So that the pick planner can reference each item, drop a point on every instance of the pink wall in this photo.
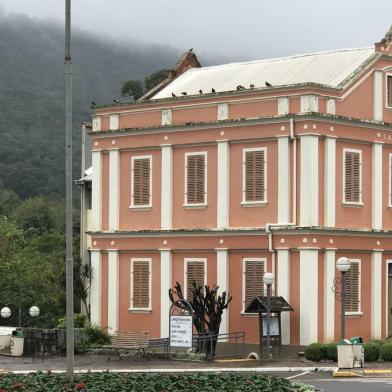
(253, 109)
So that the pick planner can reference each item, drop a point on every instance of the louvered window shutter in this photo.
(254, 284)
(255, 175)
(196, 186)
(141, 182)
(389, 90)
(195, 273)
(352, 177)
(352, 288)
(141, 284)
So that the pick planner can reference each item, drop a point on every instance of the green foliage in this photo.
(386, 351)
(97, 336)
(372, 351)
(331, 352)
(8, 201)
(108, 382)
(155, 78)
(79, 321)
(315, 352)
(132, 88)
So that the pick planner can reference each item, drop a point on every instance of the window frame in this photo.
(359, 312)
(140, 206)
(188, 260)
(387, 75)
(186, 204)
(131, 306)
(345, 202)
(244, 260)
(244, 202)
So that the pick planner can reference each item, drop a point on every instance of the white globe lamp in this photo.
(34, 311)
(5, 312)
(268, 278)
(343, 264)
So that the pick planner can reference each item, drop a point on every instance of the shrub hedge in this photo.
(386, 351)
(109, 382)
(372, 351)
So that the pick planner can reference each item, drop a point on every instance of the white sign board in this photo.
(181, 331)
(274, 326)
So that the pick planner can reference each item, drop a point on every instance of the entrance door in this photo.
(390, 300)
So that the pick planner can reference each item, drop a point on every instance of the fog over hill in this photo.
(32, 95)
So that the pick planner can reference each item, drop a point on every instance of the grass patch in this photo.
(123, 382)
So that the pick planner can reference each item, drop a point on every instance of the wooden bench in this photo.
(134, 343)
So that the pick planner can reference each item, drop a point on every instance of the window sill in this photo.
(140, 208)
(256, 204)
(249, 314)
(352, 205)
(353, 314)
(139, 310)
(195, 206)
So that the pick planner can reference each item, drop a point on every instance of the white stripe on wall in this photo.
(377, 186)
(309, 180)
(96, 196)
(167, 187)
(284, 290)
(113, 291)
(308, 293)
(223, 184)
(95, 287)
(377, 96)
(376, 295)
(114, 188)
(166, 284)
(329, 296)
(222, 263)
(330, 181)
(283, 180)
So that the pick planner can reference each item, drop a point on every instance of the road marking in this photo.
(296, 375)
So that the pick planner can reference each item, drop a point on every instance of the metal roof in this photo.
(259, 305)
(326, 68)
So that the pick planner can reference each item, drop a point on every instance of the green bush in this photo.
(386, 351)
(315, 352)
(331, 352)
(96, 335)
(372, 351)
(79, 321)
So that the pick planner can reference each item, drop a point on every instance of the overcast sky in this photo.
(236, 29)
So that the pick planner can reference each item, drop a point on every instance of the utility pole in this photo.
(68, 195)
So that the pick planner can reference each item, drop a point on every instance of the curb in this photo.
(179, 370)
(362, 373)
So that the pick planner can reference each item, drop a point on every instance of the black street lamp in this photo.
(343, 265)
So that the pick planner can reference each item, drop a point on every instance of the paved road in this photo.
(325, 382)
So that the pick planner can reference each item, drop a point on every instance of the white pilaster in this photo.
(377, 96)
(309, 103)
(167, 187)
(114, 189)
(309, 180)
(329, 296)
(377, 186)
(331, 106)
(330, 182)
(114, 122)
(223, 111)
(283, 105)
(283, 280)
(166, 117)
(95, 287)
(308, 294)
(222, 263)
(96, 213)
(166, 284)
(283, 180)
(223, 184)
(113, 291)
(376, 295)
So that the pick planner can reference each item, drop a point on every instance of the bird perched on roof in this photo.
(93, 103)
(190, 50)
(213, 90)
(184, 93)
(173, 95)
(252, 86)
(200, 91)
(116, 100)
(268, 84)
(240, 87)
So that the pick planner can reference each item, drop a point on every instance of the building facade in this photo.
(222, 173)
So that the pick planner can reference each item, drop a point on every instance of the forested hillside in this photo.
(32, 96)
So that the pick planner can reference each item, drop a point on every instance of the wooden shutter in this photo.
(195, 273)
(195, 166)
(352, 288)
(254, 284)
(255, 175)
(141, 181)
(352, 176)
(389, 91)
(141, 284)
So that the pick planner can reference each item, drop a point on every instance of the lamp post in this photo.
(268, 280)
(6, 313)
(343, 265)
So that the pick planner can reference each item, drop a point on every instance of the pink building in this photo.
(223, 173)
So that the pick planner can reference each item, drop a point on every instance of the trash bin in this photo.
(350, 353)
(359, 352)
(17, 343)
(5, 339)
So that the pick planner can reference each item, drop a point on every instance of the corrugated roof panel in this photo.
(328, 68)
